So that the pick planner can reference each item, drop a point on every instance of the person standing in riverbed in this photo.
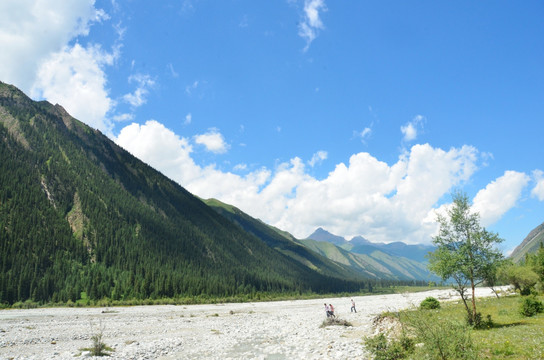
(353, 306)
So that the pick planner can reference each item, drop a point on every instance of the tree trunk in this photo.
(473, 300)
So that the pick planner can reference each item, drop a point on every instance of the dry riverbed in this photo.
(267, 330)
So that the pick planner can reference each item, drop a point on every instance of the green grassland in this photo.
(510, 336)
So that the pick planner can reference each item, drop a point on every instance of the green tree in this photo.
(522, 277)
(465, 251)
(536, 262)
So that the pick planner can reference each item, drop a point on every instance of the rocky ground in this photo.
(267, 330)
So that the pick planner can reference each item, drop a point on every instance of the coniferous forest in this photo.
(78, 214)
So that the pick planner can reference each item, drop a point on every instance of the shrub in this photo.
(441, 339)
(530, 306)
(393, 349)
(430, 303)
(335, 321)
(478, 323)
(98, 347)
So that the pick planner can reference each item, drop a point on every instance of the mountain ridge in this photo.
(530, 244)
(80, 214)
(360, 245)
(373, 259)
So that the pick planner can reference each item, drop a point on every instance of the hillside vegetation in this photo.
(80, 215)
(530, 244)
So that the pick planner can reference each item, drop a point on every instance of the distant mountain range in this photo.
(360, 245)
(530, 244)
(387, 261)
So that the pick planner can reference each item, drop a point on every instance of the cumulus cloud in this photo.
(365, 196)
(161, 148)
(538, 190)
(38, 57)
(24, 41)
(499, 196)
(311, 22)
(410, 129)
(213, 140)
(75, 78)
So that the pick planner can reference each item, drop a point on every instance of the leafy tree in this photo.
(465, 250)
(536, 262)
(522, 277)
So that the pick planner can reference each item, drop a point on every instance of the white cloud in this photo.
(364, 134)
(364, 197)
(317, 158)
(123, 117)
(75, 78)
(172, 71)
(213, 140)
(538, 190)
(192, 87)
(161, 148)
(31, 30)
(37, 56)
(410, 130)
(240, 167)
(311, 23)
(188, 119)
(138, 97)
(499, 196)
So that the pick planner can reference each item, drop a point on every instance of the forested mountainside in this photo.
(530, 244)
(80, 214)
(284, 242)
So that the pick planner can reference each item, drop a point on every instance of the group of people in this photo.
(329, 309)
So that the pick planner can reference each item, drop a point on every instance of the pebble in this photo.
(275, 330)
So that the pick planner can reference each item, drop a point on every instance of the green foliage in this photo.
(441, 338)
(429, 303)
(465, 251)
(478, 323)
(536, 263)
(530, 306)
(98, 347)
(392, 349)
(522, 277)
(437, 338)
(511, 336)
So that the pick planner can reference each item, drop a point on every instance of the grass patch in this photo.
(509, 336)
(513, 336)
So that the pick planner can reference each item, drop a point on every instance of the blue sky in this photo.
(358, 117)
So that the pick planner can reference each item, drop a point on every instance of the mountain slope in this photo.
(377, 260)
(284, 242)
(79, 213)
(530, 244)
(360, 245)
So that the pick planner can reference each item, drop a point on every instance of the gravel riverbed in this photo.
(263, 330)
